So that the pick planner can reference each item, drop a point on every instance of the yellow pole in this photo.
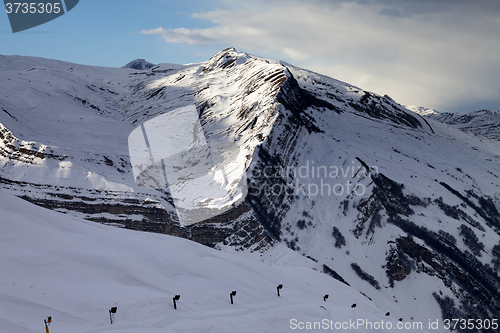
(46, 329)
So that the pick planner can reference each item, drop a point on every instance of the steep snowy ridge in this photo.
(401, 207)
(370, 231)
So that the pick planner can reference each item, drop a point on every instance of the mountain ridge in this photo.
(482, 122)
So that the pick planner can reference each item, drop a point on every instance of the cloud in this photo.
(181, 35)
(412, 7)
(437, 54)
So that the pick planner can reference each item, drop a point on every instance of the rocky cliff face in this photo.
(401, 208)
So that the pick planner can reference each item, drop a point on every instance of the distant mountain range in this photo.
(484, 122)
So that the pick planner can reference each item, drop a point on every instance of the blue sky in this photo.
(441, 54)
(107, 33)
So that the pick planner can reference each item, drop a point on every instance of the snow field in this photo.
(75, 271)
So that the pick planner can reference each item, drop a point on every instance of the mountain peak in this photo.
(139, 64)
(423, 111)
(226, 58)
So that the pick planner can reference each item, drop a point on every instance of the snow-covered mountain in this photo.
(401, 208)
(483, 122)
(423, 111)
(140, 64)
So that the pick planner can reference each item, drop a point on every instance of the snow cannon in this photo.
(176, 298)
(233, 293)
(112, 312)
(278, 288)
(47, 323)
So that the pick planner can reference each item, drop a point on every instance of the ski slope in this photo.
(75, 271)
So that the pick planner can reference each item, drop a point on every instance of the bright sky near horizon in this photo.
(441, 54)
